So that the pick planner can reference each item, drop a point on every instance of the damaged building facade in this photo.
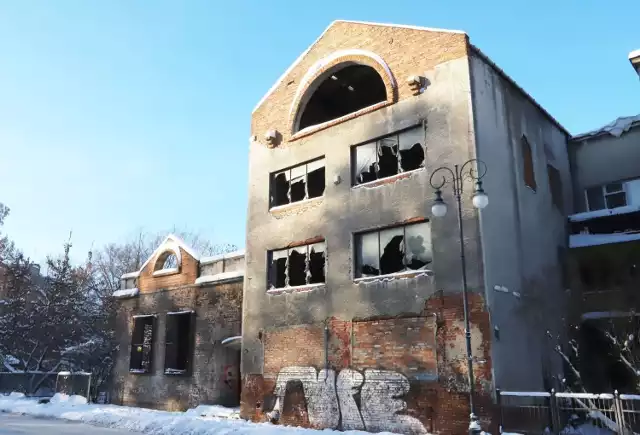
(604, 265)
(353, 308)
(178, 330)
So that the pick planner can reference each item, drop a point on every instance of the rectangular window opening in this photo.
(555, 184)
(393, 250)
(178, 343)
(612, 195)
(298, 266)
(388, 156)
(296, 184)
(142, 344)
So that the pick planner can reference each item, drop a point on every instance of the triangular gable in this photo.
(304, 53)
(171, 241)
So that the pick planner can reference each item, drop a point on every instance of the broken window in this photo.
(555, 184)
(613, 195)
(347, 90)
(178, 342)
(297, 266)
(142, 344)
(393, 250)
(296, 184)
(386, 157)
(527, 164)
(166, 260)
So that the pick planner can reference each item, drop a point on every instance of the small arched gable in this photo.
(341, 86)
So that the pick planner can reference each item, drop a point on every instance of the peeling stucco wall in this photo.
(522, 231)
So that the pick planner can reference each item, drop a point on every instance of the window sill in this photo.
(296, 289)
(287, 208)
(139, 372)
(410, 274)
(388, 180)
(163, 272)
(318, 127)
(175, 372)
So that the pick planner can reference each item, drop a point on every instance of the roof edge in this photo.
(504, 75)
(304, 53)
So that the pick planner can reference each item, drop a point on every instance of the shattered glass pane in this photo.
(316, 263)
(315, 178)
(367, 255)
(392, 250)
(411, 149)
(365, 163)
(278, 272)
(298, 183)
(613, 187)
(418, 246)
(298, 266)
(280, 189)
(616, 200)
(388, 157)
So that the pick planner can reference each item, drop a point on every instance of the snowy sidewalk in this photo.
(217, 420)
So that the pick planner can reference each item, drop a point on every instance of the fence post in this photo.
(619, 412)
(553, 407)
(499, 403)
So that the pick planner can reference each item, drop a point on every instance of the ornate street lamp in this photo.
(472, 170)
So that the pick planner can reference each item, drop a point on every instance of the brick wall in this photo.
(187, 274)
(215, 377)
(422, 353)
(427, 48)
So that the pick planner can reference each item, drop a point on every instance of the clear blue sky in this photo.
(118, 114)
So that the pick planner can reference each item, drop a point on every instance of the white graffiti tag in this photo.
(329, 398)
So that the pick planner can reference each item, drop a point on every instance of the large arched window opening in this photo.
(341, 92)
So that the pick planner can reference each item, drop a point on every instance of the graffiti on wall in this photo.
(331, 400)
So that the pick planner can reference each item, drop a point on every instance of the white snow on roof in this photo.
(580, 217)
(634, 54)
(226, 256)
(220, 277)
(304, 53)
(130, 275)
(615, 128)
(126, 293)
(583, 240)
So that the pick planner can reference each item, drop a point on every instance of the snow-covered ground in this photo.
(203, 420)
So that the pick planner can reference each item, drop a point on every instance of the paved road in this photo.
(11, 424)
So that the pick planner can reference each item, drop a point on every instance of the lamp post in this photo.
(456, 177)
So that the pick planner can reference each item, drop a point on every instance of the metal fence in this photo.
(535, 413)
(46, 384)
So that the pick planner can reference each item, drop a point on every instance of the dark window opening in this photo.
(178, 349)
(299, 183)
(393, 250)
(297, 266)
(386, 157)
(555, 184)
(610, 195)
(527, 164)
(346, 91)
(142, 344)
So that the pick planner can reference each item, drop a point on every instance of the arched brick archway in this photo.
(325, 68)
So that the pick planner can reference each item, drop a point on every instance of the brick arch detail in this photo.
(162, 256)
(325, 66)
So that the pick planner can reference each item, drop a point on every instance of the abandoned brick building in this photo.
(352, 308)
(604, 265)
(178, 330)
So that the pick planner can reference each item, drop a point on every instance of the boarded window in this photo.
(527, 164)
(386, 157)
(178, 343)
(298, 183)
(392, 250)
(555, 184)
(297, 266)
(142, 344)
